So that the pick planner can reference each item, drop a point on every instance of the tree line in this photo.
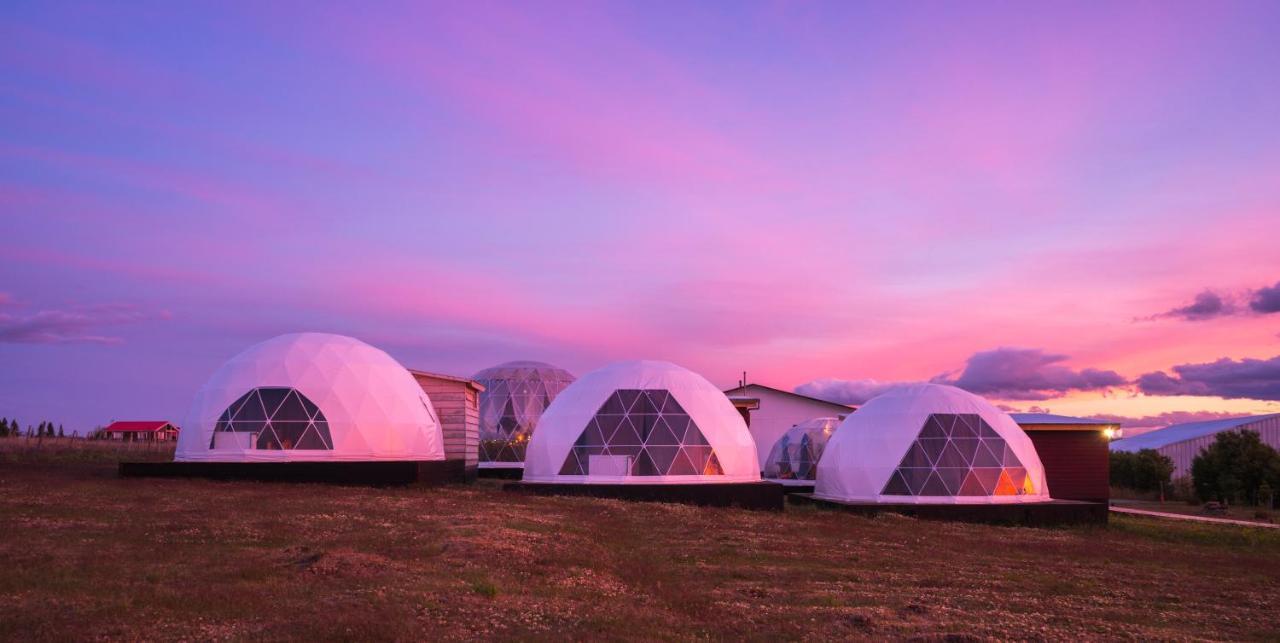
(45, 429)
(1237, 468)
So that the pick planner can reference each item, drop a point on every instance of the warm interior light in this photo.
(1109, 432)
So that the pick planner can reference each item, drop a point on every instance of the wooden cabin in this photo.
(457, 402)
(141, 431)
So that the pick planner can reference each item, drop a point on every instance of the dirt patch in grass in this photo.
(85, 551)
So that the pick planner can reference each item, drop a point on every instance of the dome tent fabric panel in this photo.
(930, 443)
(566, 424)
(515, 396)
(371, 406)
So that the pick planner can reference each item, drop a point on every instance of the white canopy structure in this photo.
(311, 397)
(930, 444)
(514, 397)
(794, 457)
(641, 422)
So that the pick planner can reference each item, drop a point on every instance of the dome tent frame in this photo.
(793, 460)
(515, 396)
(883, 438)
(621, 431)
(341, 411)
(861, 470)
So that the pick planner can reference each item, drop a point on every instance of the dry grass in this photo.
(71, 449)
(87, 555)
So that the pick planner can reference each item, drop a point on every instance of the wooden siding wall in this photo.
(1077, 464)
(457, 405)
(1184, 453)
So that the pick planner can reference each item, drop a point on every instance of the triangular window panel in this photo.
(278, 418)
(973, 461)
(963, 427)
(933, 428)
(897, 486)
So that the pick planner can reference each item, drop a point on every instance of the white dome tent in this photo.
(641, 423)
(311, 397)
(930, 444)
(793, 460)
(515, 396)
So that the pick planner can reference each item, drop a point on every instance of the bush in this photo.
(1146, 470)
(1237, 467)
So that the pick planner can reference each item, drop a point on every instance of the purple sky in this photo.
(1068, 205)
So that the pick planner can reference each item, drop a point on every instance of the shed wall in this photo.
(457, 405)
(1077, 464)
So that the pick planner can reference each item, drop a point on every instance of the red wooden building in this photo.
(1075, 453)
(141, 431)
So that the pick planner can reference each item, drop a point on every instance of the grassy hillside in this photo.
(87, 555)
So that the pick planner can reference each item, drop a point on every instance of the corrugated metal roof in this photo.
(1179, 432)
(1049, 418)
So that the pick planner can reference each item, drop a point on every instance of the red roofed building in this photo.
(146, 431)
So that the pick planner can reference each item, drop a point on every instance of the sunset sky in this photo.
(1072, 206)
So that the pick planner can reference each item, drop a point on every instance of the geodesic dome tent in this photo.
(514, 398)
(641, 422)
(794, 457)
(311, 397)
(930, 444)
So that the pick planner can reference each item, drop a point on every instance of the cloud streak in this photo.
(1257, 379)
(1207, 305)
(1004, 373)
(78, 325)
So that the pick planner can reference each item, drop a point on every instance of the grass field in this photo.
(87, 555)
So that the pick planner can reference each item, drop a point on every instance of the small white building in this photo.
(780, 410)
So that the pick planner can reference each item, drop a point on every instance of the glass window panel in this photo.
(627, 399)
(951, 457)
(933, 486)
(984, 456)
(1017, 475)
(963, 427)
(1010, 460)
(613, 405)
(626, 433)
(272, 397)
(657, 398)
(988, 477)
(572, 467)
(916, 456)
(915, 478)
(713, 467)
(681, 465)
(661, 434)
(310, 439)
(643, 465)
(967, 448)
(662, 457)
(288, 433)
(252, 410)
(972, 486)
(953, 478)
(896, 486)
(933, 428)
(985, 429)
(933, 447)
(1004, 486)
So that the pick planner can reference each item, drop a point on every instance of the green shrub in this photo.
(1237, 467)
